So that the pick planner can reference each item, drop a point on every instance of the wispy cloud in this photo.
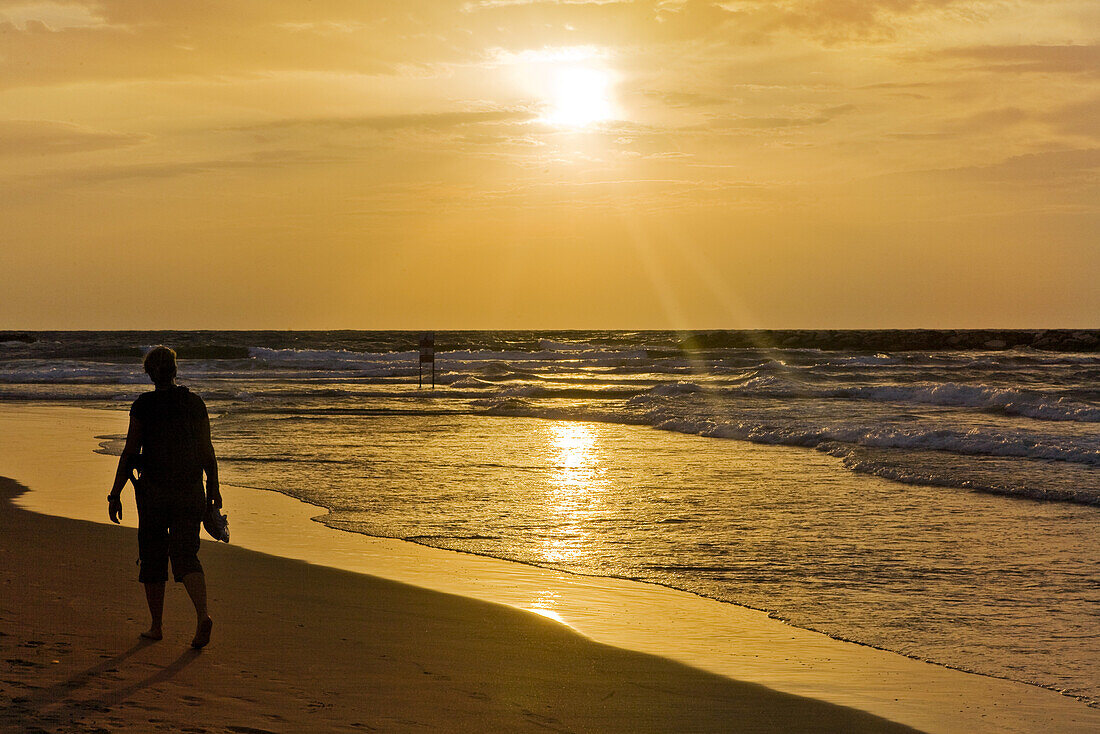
(470, 7)
(426, 121)
(842, 21)
(774, 123)
(45, 137)
(45, 15)
(1049, 168)
(1068, 59)
(143, 171)
(685, 99)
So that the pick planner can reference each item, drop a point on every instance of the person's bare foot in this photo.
(153, 633)
(202, 634)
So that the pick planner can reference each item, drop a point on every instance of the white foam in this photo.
(469, 382)
(548, 345)
(862, 360)
(675, 388)
(331, 358)
(922, 476)
(598, 355)
(343, 359)
(78, 373)
(1008, 400)
(973, 442)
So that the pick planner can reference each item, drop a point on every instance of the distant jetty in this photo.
(215, 345)
(16, 336)
(898, 340)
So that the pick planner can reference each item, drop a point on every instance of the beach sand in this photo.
(299, 647)
(302, 646)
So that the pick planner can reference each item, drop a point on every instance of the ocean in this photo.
(940, 502)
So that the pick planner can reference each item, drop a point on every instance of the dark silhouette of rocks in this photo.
(122, 346)
(16, 336)
(899, 340)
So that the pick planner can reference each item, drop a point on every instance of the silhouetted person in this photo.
(171, 429)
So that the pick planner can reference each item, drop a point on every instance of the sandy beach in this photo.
(305, 648)
(300, 646)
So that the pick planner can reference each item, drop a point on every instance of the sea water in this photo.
(962, 530)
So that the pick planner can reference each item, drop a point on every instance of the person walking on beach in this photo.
(170, 430)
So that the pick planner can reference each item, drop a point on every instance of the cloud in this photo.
(385, 123)
(1078, 119)
(897, 85)
(139, 40)
(620, 195)
(993, 119)
(1051, 165)
(1071, 59)
(775, 123)
(839, 21)
(109, 173)
(685, 99)
(1035, 170)
(115, 40)
(44, 137)
(471, 7)
(48, 15)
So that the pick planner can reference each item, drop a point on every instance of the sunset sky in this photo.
(573, 164)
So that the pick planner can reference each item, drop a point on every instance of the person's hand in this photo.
(214, 496)
(114, 508)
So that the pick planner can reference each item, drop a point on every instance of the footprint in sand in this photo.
(21, 663)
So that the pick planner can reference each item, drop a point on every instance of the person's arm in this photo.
(209, 461)
(129, 451)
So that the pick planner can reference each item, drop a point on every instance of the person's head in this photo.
(160, 365)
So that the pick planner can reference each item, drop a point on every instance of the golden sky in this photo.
(549, 164)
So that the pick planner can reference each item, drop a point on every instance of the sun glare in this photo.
(574, 86)
(578, 96)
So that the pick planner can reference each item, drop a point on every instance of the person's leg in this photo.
(183, 541)
(153, 557)
(154, 594)
(195, 583)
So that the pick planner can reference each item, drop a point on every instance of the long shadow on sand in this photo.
(116, 697)
(66, 688)
(59, 703)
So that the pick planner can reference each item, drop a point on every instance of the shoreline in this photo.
(770, 615)
(620, 612)
(335, 651)
(319, 519)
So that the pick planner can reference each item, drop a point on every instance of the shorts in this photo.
(168, 530)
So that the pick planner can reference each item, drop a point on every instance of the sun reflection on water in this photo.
(577, 482)
(574, 458)
(546, 603)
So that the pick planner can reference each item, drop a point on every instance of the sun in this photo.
(573, 87)
(578, 96)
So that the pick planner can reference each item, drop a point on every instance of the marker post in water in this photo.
(427, 354)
